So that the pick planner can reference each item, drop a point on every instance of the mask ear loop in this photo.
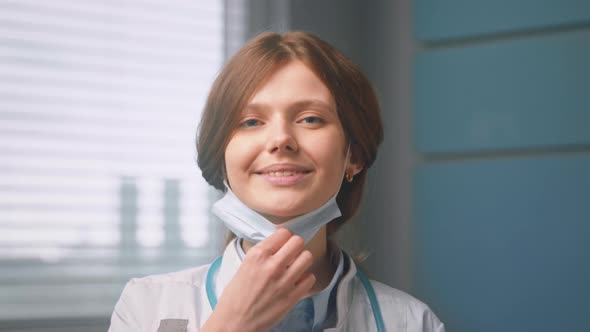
(347, 176)
(225, 180)
(344, 170)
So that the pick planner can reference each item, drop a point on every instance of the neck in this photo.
(323, 267)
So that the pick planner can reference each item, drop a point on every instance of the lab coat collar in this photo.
(345, 293)
(229, 267)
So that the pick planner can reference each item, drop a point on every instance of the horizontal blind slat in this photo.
(99, 103)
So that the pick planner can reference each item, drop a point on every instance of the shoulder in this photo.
(140, 304)
(393, 296)
(167, 285)
(400, 311)
(417, 315)
(193, 277)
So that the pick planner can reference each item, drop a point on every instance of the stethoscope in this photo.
(210, 288)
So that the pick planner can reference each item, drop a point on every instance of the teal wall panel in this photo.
(440, 20)
(504, 245)
(522, 93)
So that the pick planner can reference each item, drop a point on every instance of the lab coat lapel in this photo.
(345, 295)
(229, 266)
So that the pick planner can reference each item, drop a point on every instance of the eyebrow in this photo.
(307, 103)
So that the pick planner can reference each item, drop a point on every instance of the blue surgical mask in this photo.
(251, 226)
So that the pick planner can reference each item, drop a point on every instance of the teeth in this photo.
(284, 173)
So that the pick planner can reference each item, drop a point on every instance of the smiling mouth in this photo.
(285, 178)
(278, 170)
(284, 173)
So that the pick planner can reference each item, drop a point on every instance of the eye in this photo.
(250, 123)
(312, 120)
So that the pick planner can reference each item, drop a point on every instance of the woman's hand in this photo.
(272, 278)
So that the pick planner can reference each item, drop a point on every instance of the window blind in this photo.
(99, 106)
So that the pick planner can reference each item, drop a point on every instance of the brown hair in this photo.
(247, 70)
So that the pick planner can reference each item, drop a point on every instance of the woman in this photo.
(289, 130)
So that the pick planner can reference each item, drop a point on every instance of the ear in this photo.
(354, 168)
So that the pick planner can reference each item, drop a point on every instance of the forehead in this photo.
(293, 82)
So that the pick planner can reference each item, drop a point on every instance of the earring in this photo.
(348, 177)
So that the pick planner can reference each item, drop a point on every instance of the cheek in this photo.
(231, 159)
(329, 154)
(330, 148)
(238, 156)
(334, 169)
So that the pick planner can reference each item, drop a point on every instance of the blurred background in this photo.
(478, 204)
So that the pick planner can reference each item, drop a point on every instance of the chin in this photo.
(278, 216)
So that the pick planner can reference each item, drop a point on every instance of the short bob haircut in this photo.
(248, 70)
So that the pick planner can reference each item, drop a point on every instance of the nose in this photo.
(281, 137)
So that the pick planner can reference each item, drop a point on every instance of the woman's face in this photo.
(287, 155)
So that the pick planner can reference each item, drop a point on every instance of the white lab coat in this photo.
(178, 302)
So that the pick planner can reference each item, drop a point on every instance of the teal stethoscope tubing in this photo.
(364, 280)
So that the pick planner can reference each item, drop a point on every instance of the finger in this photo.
(299, 266)
(303, 287)
(290, 250)
(275, 241)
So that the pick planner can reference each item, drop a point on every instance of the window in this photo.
(99, 106)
